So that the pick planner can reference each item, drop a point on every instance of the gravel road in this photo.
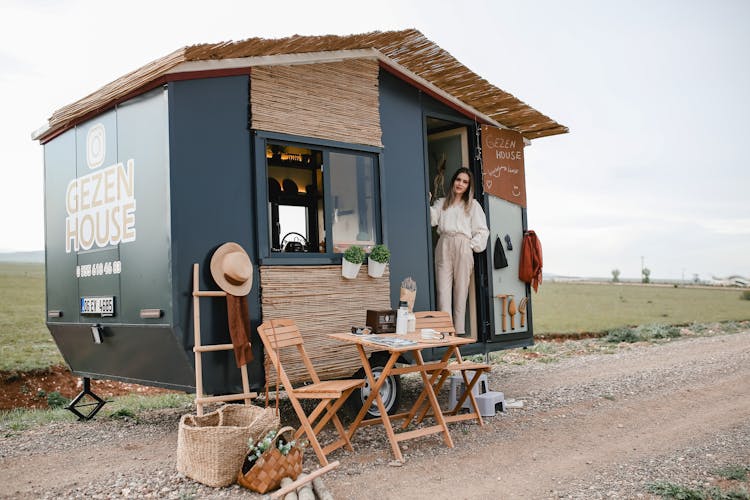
(593, 425)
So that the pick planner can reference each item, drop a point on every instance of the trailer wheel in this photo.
(390, 392)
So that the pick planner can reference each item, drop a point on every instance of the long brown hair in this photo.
(468, 194)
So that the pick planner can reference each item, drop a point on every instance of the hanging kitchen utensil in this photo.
(502, 298)
(522, 310)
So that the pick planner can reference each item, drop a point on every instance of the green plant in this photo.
(122, 413)
(624, 334)
(548, 360)
(380, 253)
(56, 400)
(256, 449)
(735, 472)
(671, 490)
(678, 492)
(745, 295)
(355, 254)
(642, 333)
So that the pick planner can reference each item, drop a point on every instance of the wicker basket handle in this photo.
(284, 429)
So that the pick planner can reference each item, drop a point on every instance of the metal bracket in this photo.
(78, 402)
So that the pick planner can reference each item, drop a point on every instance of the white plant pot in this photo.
(349, 270)
(375, 269)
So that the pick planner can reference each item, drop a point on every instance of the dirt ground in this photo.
(31, 389)
(598, 426)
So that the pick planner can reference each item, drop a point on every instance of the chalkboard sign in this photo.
(502, 164)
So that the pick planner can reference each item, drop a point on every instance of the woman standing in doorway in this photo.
(462, 227)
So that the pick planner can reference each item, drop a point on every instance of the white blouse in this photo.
(455, 219)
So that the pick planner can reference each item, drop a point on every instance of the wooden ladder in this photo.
(198, 349)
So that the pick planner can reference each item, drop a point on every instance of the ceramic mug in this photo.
(430, 334)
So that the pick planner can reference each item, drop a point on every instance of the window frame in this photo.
(262, 222)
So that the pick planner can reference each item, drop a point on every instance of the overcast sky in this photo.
(656, 95)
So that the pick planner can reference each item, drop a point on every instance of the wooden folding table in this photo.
(402, 344)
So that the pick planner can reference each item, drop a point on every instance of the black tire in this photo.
(390, 392)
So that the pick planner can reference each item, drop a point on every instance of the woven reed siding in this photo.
(337, 101)
(409, 48)
(321, 302)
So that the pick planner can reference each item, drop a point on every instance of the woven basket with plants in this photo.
(270, 459)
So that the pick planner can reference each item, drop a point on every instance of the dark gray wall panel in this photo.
(145, 282)
(99, 284)
(61, 285)
(403, 170)
(212, 203)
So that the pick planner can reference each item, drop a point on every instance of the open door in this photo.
(503, 181)
(447, 151)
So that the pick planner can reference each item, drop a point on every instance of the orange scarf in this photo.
(530, 267)
(239, 329)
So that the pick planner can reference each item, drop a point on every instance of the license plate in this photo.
(103, 306)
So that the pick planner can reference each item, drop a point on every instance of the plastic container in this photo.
(402, 318)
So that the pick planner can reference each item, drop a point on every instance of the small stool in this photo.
(487, 403)
(456, 388)
(486, 400)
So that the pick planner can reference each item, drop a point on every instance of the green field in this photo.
(585, 307)
(25, 342)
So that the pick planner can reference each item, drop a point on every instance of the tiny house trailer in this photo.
(294, 148)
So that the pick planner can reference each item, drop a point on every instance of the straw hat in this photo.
(232, 270)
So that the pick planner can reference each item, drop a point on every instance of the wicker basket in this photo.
(211, 448)
(268, 471)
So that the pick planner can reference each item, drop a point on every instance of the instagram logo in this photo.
(95, 146)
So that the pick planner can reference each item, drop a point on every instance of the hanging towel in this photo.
(239, 329)
(530, 266)
(499, 256)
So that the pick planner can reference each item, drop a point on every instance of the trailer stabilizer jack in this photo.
(80, 402)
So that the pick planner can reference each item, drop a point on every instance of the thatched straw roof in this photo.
(407, 53)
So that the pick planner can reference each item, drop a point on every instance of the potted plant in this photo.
(354, 256)
(379, 257)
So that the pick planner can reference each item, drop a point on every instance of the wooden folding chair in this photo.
(279, 334)
(442, 322)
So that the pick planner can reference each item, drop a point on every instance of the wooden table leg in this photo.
(437, 375)
(375, 386)
(433, 399)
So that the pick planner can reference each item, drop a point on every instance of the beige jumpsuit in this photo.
(461, 234)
